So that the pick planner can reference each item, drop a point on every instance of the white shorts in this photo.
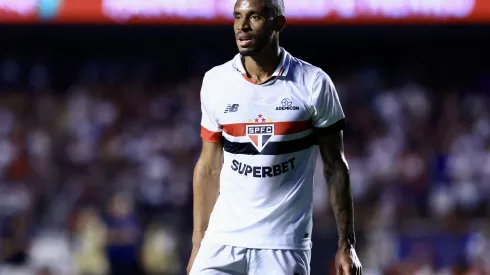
(230, 260)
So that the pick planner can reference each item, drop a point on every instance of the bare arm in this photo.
(206, 187)
(336, 172)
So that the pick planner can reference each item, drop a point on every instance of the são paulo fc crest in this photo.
(260, 132)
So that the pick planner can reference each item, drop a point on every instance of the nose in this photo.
(243, 24)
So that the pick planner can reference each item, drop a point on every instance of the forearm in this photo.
(206, 189)
(341, 201)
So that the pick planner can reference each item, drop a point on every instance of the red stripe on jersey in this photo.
(248, 79)
(210, 136)
(281, 71)
(280, 128)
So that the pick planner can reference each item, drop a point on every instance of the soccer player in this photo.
(265, 116)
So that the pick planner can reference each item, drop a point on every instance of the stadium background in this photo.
(99, 132)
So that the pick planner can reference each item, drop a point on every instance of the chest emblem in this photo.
(260, 132)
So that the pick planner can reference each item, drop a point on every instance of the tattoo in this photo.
(336, 172)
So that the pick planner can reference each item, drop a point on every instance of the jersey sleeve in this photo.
(210, 128)
(327, 115)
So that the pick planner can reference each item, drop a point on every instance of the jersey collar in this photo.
(281, 69)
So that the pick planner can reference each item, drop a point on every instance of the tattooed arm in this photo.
(328, 119)
(336, 172)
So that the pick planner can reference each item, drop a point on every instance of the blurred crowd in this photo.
(96, 176)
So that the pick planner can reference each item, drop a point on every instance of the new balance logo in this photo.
(231, 108)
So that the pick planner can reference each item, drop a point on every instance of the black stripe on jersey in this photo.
(272, 148)
(332, 129)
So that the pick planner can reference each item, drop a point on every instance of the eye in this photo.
(255, 17)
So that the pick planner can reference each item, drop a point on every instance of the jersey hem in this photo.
(216, 240)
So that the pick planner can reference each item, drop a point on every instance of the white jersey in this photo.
(268, 133)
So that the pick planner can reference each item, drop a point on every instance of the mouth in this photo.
(244, 39)
(245, 42)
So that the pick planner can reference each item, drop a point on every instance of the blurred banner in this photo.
(305, 12)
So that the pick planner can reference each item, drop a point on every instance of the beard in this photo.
(258, 47)
(248, 52)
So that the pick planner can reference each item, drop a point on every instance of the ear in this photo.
(279, 23)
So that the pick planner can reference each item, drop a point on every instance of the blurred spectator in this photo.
(15, 241)
(90, 236)
(160, 250)
(123, 237)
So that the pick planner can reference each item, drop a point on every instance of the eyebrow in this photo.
(248, 12)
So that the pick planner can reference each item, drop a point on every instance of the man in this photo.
(263, 113)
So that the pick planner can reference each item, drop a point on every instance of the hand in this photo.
(195, 249)
(347, 263)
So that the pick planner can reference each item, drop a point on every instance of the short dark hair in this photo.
(277, 7)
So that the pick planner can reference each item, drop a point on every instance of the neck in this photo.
(262, 65)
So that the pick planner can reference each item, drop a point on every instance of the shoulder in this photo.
(309, 74)
(219, 72)
(215, 82)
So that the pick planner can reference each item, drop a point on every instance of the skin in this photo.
(256, 19)
(206, 189)
(259, 21)
(336, 172)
